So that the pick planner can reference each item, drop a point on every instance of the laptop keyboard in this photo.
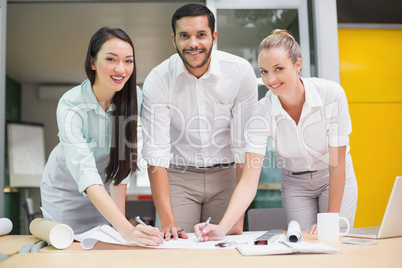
(366, 230)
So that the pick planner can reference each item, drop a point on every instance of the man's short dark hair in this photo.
(193, 10)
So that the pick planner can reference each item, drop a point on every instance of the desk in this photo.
(387, 253)
(11, 244)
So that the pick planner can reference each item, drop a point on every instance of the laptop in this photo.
(391, 225)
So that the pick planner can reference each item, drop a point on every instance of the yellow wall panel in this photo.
(371, 72)
(370, 63)
(376, 149)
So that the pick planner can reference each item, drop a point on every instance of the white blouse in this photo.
(324, 122)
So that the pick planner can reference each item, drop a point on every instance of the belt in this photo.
(209, 167)
(217, 166)
(303, 172)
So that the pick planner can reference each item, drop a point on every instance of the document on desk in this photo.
(228, 241)
(104, 233)
(282, 246)
(108, 234)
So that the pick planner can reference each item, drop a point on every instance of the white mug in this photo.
(328, 226)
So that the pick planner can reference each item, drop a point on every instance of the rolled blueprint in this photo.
(294, 234)
(57, 234)
(5, 226)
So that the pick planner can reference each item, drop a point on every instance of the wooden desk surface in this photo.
(387, 253)
(11, 244)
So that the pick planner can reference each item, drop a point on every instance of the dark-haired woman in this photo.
(97, 123)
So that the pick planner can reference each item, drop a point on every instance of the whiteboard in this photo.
(26, 154)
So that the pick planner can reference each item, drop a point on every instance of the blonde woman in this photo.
(309, 122)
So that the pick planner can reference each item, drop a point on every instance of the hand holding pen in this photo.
(149, 231)
(213, 232)
(200, 229)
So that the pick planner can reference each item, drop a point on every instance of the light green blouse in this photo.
(85, 133)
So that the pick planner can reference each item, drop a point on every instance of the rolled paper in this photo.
(294, 234)
(5, 226)
(56, 234)
(26, 248)
(37, 246)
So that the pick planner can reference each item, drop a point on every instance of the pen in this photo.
(178, 232)
(205, 225)
(138, 219)
(285, 244)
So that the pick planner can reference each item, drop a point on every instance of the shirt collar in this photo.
(213, 69)
(88, 96)
(312, 99)
(276, 106)
(180, 67)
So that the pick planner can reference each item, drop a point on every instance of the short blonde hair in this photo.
(283, 39)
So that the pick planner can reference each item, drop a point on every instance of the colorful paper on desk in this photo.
(282, 246)
(107, 234)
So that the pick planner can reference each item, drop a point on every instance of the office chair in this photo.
(30, 211)
(264, 219)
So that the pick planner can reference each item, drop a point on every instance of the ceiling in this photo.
(370, 11)
(47, 40)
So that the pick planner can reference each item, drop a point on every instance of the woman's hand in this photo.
(211, 232)
(313, 229)
(145, 235)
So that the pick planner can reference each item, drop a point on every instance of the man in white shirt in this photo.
(195, 106)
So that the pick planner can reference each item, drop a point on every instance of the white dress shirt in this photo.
(324, 122)
(197, 122)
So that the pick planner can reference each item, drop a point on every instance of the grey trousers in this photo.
(303, 196)
(199, 193)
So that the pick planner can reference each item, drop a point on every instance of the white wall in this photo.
(39, 111)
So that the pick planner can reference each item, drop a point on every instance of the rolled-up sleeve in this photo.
(243, 108)
(258, 129)
(79, 158)
(340, 122)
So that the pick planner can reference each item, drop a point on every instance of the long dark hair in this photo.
(123, 150)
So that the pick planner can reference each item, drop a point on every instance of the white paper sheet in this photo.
(281, 245)
(193, 243)
(107, 234)
(103, 233)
